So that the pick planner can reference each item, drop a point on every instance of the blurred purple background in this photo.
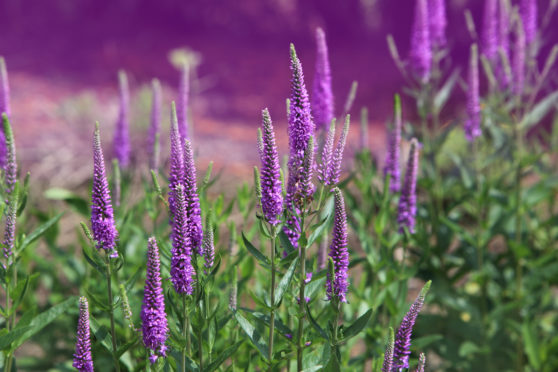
(58, 50)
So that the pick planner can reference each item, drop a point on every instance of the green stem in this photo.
(185, 333)
(272, 299)
(519, 269)
(111, 314)
(200, 348)
(301, 303)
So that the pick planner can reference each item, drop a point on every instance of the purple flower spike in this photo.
(10, 169)
(421, 51)
(193, 210)
(490, 30)
(153, 145)
(182, 103)
(528, 13)
(208, 247)
(182, 271)
(10, 229)
(334, 170)
(438, 22)
(327, 153)
(503, 43)
(83, 361)
(518, 63)
(301, 128)
(4, 108)
(121, 142)
(408, 201)
(176, 174)
(322, 96)
(339, 252)
(391, 167)
(270, 178)
(102, 216)
(421, 363)
(402, 344)
(387, 366)
(473, 122)
(153, 317)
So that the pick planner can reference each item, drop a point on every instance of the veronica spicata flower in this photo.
(338, 251)
(421, 50)
(83, 361)
(473, 121)
(102, 216)
(407, 209)
(391, 167)
(121, 142)
(153, 145)
(153, 317)
(322, 95)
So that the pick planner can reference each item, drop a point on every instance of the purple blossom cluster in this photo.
(121, 141)
(391, 166)
(407, 208)
(182, 272)
(182, 102)
(270, 178)
(155, 125)
(10, 227)
(473, 121)
(301, 129)
(193, 210)
(10, 166)
(83, 361)
(420, 54)
(153, 317)
(208, 248)
(330, 168)
(402, 343)
(322, 95)
(4, 108)
(338, 251)
(102, 216)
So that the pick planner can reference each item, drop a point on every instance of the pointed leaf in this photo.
(284, 283)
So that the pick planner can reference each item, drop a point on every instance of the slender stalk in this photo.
(200, 348)
(272, 297)
(111, 314)
(519, 268)
(185, 334)
(9, 356)
(301, 300)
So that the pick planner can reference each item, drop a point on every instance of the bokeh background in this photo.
(63, 57)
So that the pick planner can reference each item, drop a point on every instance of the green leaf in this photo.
(313, 287)
(263, 260)
(39, 231)
(539, 111)
(76, 202)
(253, 334)
(531, 345)
(444, 93)
(223, 356)
(101, 332)
(318, 230)
(7, 339)
(42, 320)
(357, 326)
(284, 283)
(286, 243)
(315, 324)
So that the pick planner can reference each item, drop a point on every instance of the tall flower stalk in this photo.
(153, 143)
(182, 271)
(10, 228)
(518, 62)
(176, 173)
(4, 108)
(322, 95)
(407, 209)
(402, 343)
(103, 227)
(153, 317)
(83, 361)
(392, 165)
(271, 196)
(387, 366)
(121, 142)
